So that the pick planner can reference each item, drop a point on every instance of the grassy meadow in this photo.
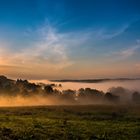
(83, 122)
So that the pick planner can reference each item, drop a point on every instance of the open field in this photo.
(70, 122)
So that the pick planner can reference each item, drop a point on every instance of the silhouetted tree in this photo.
(111, 98)
(68, 95)
(136, 97)
(48, 90)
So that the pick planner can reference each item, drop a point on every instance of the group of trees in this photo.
(24, 88)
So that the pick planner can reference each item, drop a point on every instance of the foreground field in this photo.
(70, 123)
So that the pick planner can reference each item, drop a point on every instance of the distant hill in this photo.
(94, 80)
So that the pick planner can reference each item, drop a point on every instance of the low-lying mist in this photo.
(22, 101)
(114, 96)
(24, 93)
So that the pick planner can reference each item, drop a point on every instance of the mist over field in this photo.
(23, 93)
(132, 84)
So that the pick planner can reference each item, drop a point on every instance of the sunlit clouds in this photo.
(47, 55)
(53, 54)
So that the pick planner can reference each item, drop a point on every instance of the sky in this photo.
(70, 39)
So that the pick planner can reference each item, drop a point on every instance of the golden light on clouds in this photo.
(48, 57)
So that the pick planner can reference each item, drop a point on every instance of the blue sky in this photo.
(54, 39)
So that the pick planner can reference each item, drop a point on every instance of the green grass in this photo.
(70, 123)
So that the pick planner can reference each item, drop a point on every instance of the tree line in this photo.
(25, 89)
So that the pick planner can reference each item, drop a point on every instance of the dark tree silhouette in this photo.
(136, 97)
(48, 90)
(68, 95)
(111, 98)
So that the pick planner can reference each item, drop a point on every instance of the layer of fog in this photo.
(8, 101)
(104, 86)
(70, 93)
(125, 96)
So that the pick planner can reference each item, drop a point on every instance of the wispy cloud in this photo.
(51, 47)
(49, 50)
(105, 34)
(124, 54)
(47, 53)
(129, 52)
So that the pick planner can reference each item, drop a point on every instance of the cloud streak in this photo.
(48, 53)
(125, 54)
(129, 52)
(105, 34)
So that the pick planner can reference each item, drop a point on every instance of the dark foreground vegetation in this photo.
(115, 115)
(96, 122)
